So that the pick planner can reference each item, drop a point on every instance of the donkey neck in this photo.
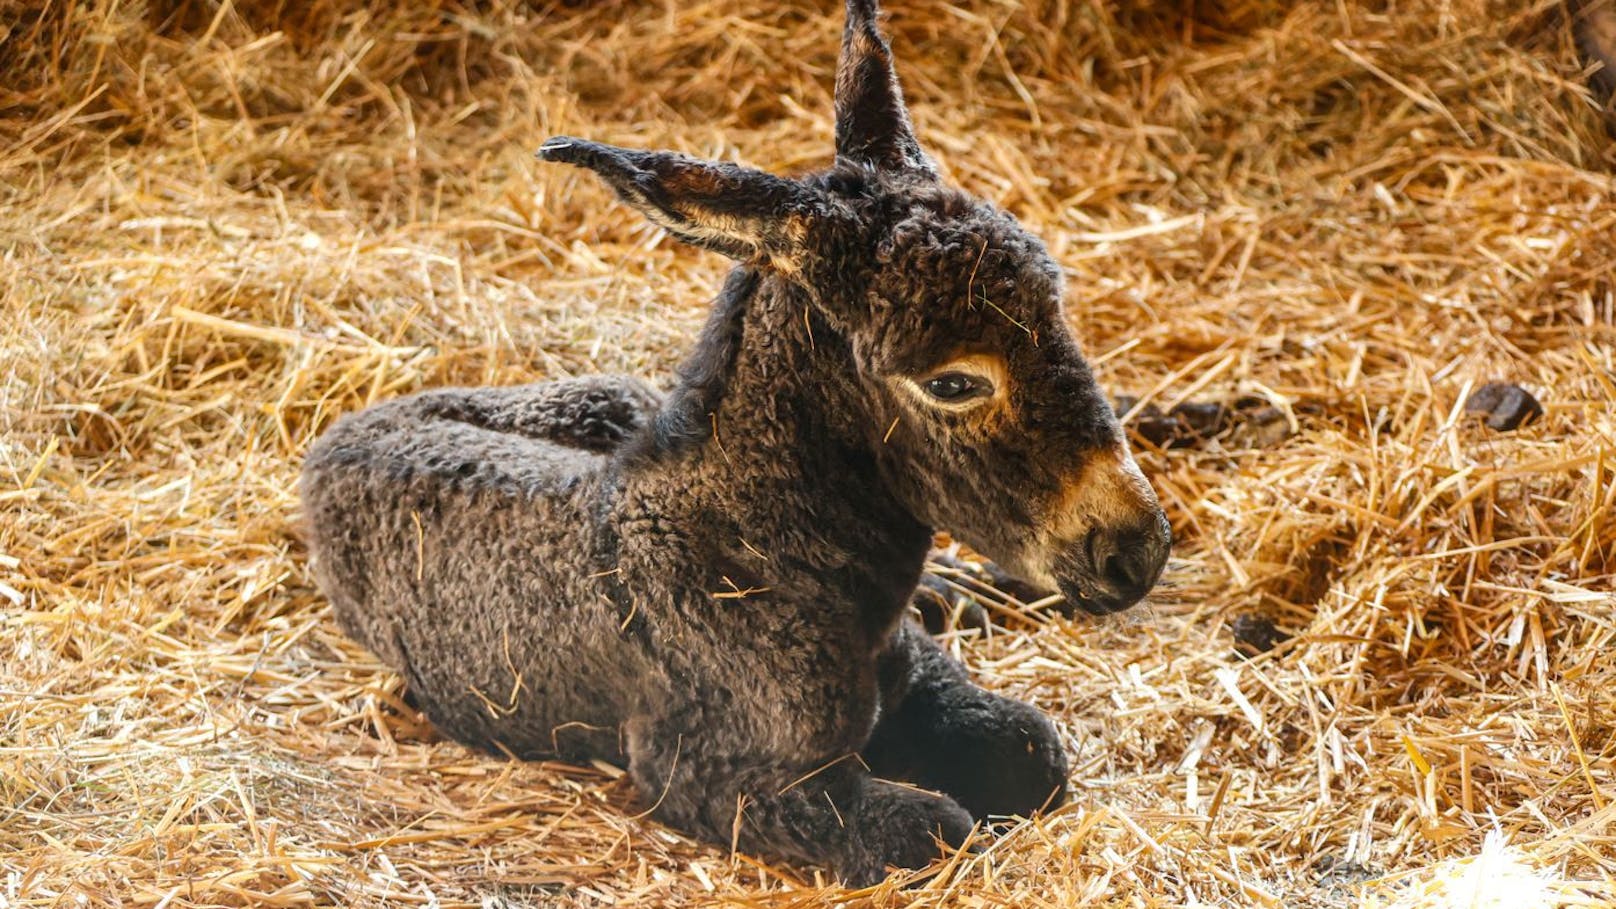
(762, 439)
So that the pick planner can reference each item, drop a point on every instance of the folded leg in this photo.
(945, 597)
(595, 413)
(833, 812)
(995, 755)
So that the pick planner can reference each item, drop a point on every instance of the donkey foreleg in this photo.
(833, 813)
(996, 756)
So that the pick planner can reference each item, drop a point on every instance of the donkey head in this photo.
(978, 407)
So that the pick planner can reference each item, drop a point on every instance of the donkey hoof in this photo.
(898, 827)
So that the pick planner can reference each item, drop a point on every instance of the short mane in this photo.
(685, 418)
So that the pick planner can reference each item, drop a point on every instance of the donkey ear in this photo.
(745, 214)
(872, 124)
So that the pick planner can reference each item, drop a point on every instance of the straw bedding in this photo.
(223, 224)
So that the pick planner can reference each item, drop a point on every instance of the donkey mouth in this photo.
(1084, 596)
(1110, 570)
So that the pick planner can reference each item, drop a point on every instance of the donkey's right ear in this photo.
(872, 122)
(745, 214)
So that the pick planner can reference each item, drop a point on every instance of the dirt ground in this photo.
(222, 224)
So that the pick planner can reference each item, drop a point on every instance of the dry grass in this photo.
(222, 224)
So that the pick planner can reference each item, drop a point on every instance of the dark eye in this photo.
(955, 386)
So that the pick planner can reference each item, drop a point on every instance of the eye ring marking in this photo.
(960, 383)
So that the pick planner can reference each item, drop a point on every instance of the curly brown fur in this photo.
(712, 586)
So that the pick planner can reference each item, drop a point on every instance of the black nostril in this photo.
(1124, 570)
(1129, 561)
(1118, 573)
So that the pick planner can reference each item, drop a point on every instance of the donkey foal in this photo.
(711, 586)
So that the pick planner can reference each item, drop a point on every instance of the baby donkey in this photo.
(711, 586)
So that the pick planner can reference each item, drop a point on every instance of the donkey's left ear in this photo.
(745, 214)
